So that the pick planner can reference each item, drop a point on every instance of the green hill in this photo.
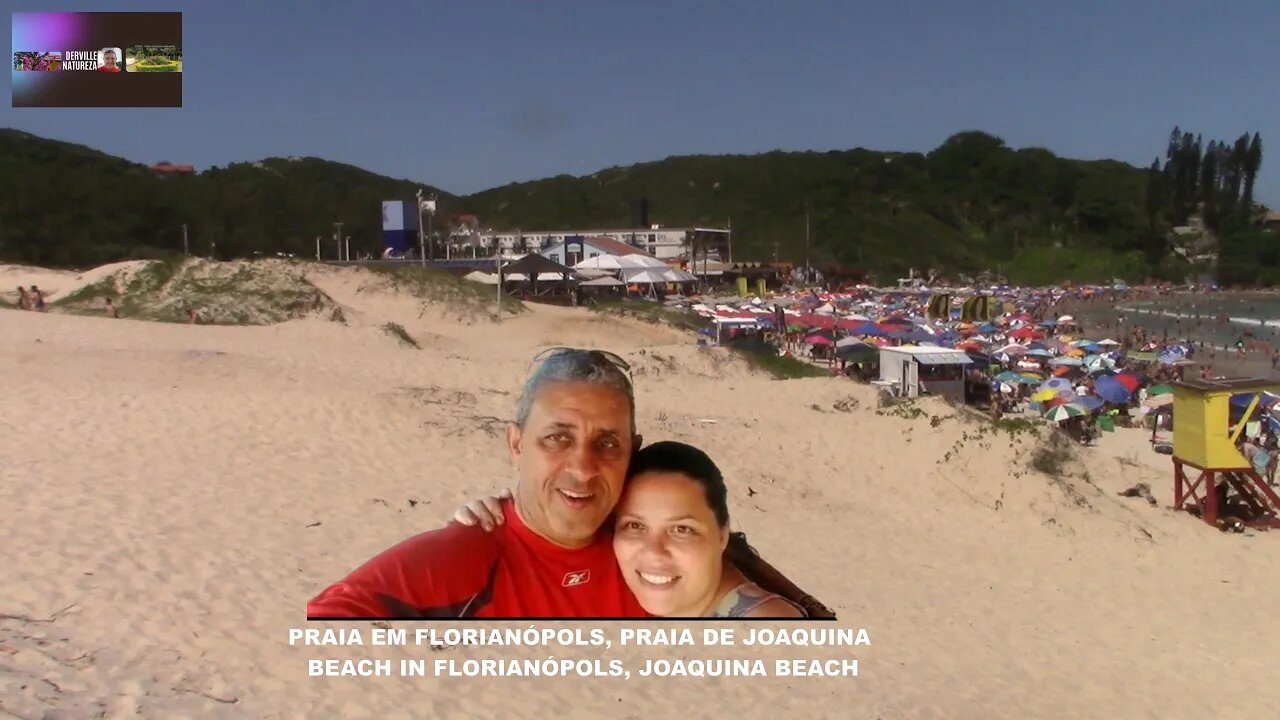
(972, 204)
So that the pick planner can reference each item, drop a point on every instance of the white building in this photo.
(912, 370)
(662, 243)
(574, 250)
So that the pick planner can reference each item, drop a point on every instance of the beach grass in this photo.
(653, 313)
(428, 283)
(397, 331)
(1016, 426)
(780, 367)
(1051, 459)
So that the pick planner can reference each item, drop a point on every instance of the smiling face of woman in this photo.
(669, 545)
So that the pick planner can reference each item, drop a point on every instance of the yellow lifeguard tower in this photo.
(1204, 438)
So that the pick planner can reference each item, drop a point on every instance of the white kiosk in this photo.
(913, 370)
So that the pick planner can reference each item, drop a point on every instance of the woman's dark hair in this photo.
(671, 456)
(677, 457)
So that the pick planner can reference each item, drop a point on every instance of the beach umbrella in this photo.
(869, 329)
(1060, 413)
(1013, 349)
(859, 353)
(1090, 402)
(1097, 363)
(1058, 384)
(1111, 389)
(1066, 361)
(1156, 401)
(818, 340)
(1009, 376)
(1161, 389)
(1045, 395)
(1039, 352)
(1129, 380)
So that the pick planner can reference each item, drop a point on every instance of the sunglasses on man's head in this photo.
(596, 355)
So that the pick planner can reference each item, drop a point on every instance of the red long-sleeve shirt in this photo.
(460, 571)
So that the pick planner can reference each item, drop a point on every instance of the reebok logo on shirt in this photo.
(576, 578)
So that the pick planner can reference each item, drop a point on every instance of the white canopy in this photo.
(542, 277)
(603, 282)
(600, 262)
(646, 277)
(639, 261)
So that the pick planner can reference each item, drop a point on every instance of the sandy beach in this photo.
(174, 494)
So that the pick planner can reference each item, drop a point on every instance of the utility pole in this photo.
(730, 239)
(347, 248)
(186, 248)
(337, 238)
(806, 242)
(498, 312)
(317, 248)
(422, 243)
(431, 211)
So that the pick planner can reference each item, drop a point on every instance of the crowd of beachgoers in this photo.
(1027, 354)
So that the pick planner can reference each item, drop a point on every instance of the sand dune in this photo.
(175, 493)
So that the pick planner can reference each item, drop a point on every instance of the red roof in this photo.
(613, 247)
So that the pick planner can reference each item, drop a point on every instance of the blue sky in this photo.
(473, 95)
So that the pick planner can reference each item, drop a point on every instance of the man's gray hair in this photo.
(587, 366)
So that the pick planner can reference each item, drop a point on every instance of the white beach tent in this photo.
(639, 261)
(646, 277)
(603, 282)
(600, 262)
(542, 277)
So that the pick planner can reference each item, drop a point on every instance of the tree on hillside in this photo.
(1252, 164)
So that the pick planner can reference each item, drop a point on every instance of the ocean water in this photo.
(1220, 320)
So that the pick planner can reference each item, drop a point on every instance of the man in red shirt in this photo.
(572, 441)
(108, 61)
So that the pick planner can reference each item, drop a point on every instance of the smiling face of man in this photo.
(572, 455)
(109, 58)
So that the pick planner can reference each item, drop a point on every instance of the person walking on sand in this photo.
(37, 299)
(24, 302)
(112, 312)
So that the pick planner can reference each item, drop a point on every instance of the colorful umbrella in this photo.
(1111, 389)
(1058, 385)
(1059, 413)
(1090, 402)
(1129, 380)
(1045, 395)
(1161, 389)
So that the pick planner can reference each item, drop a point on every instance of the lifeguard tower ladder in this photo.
(1204, 439)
